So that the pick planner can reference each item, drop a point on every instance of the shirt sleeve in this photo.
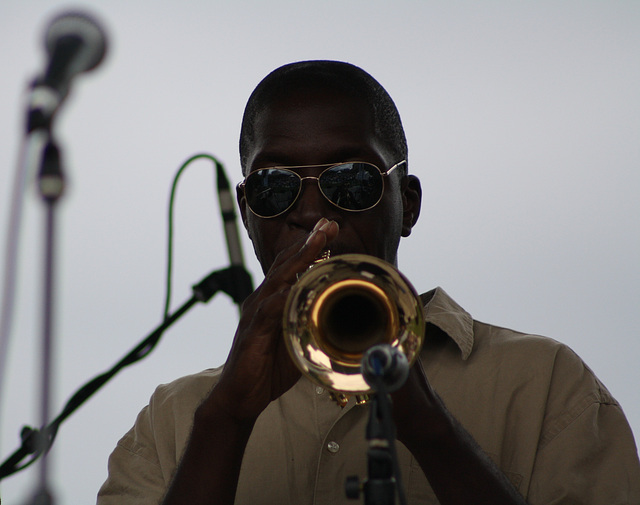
(135, 474)
(586, 454)
(143, 463)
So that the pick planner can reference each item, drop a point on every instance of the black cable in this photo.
(32, 443)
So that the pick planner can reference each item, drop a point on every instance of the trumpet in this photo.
(340, 308)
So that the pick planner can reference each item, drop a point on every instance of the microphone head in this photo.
(85, 31)
(387, 364)
(75, 43)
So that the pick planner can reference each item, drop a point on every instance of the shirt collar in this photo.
(442, 311)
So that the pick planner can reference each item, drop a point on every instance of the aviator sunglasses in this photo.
(354, 186)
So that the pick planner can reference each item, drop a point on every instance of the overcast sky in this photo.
(523, 121)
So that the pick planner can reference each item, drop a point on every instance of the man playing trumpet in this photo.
(487, 415)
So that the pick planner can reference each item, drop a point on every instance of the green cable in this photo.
(170, 229)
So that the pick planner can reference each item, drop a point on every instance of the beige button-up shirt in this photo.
(529, 402)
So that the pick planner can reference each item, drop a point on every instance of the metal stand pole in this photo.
(51, 187)
(385, 369)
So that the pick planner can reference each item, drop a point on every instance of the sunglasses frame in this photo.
(328, 166)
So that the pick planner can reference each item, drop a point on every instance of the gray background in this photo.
(523, 124)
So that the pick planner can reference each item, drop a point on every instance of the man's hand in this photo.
(258, 370)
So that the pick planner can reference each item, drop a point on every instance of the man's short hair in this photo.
(343, 77)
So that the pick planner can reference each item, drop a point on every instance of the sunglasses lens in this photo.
(352, 186)
(271, 191)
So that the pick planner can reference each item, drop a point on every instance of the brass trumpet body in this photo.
(340, 308)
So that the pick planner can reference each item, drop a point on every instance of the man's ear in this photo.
(411, 203)
(242, 205)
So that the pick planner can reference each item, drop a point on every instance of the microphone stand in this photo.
(233, 280)
(385, 369)
(51, 187)
(380, 486)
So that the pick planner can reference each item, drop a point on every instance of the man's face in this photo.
(313, 128)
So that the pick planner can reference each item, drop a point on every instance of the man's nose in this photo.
(311, 205)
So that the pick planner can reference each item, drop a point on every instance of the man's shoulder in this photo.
(495, 335)
(188, 389)
(506, 341)
(517, 354)
(540, 357)
(445, 313)
(476, 338)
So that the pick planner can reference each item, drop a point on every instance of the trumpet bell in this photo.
(343, 306)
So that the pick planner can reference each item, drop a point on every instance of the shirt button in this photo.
(319, 390)
(333, 447)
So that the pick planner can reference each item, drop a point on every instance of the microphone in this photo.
(244, 286)
(387, 364)
(75, 43)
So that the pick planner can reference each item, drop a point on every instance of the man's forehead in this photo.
(306, 112)
(316, 98)
(323, 129)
